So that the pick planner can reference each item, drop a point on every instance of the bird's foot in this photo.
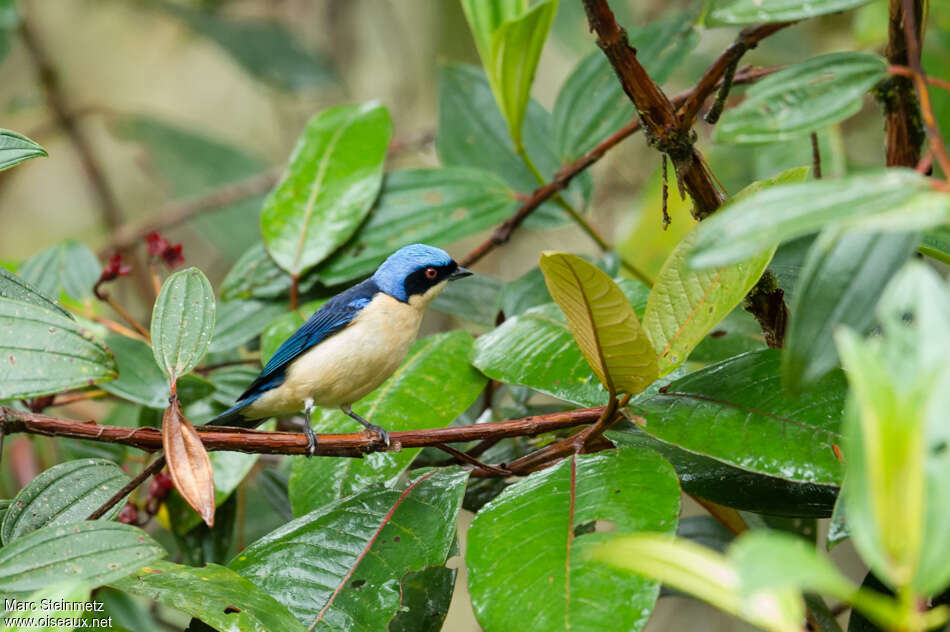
(379, 431)
(308, 430)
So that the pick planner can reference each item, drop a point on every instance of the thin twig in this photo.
(127, 316)
(262, 442)
(128, 488)
(815, 156)
(904, 71)
(465, 458)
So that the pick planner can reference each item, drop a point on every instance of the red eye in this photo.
(431, 273)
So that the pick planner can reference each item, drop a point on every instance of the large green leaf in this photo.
(736, 411)
(333, 178)
(476, 300)
(182, 322)
(140, 380)
(68, 267)
(432, 206)
(426, 596)
(215, 594)
(742, 229)
(14, 148)
(44, 352)
(515, 49)
(896, 448)
(844, 275)
(185, 163)
(686, 304)
(548, 358)
(486, 16)
(65, 493)
(802, 98)
(753, 11)
(339, 566)
(239, 321)
(472, 133)
(414, 398)
(728, 485)
(552, 582)
(602, 322)
(591, 105)
(265, 48)
(96, 551)
(13, 287)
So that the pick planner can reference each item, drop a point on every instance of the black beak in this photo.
(460, 273)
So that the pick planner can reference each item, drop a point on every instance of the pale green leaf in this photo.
(14, 148)
(182, 322)
(754, 11)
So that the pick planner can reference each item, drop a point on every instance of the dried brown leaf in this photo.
(188, 462)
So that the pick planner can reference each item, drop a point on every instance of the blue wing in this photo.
(334, 316)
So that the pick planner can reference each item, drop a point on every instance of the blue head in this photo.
(416, 269)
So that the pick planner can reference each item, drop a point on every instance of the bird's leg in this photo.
(311, 436)
(379, 430)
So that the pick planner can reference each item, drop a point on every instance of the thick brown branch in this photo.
(261, 442)
(903, 125)
(562, 178)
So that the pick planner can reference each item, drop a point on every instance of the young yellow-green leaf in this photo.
(45, 352)
(602, 321)
(485, 16)
(754, 11)
(802, 99)
(515, 49)
(685, 304)
(65, 493)
(702, 573)
(333, 178)
(15, 148)
(182, 322)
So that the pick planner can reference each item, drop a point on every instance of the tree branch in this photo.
(903, 126)
(355, 445)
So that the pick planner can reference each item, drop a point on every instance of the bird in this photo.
(351, 345)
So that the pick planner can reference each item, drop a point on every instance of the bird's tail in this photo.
(233, 417)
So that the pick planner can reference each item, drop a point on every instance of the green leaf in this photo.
(686, 304)
(702, 573)
(240, 321)
(742, 230)
(396, 405)
(140, 380)
(265, 48)
(14, 148)
(426, 596)
(602, 322)
(527, 291)
(728, 485)
(486, 16)
(895, 451)
(591, 105)
(844, 275)
(215, 594)
(334, 175)
(13, 287)
(68, 267)
(63, 494)
(182, 322)
(9, 21)
(339, 566)
(475, 301)
(547, 514)
(431, 206)
(43, 352)
(754, 11)
(549, 359)
(96, 551)
(472, 133)
(515, 49)
(736, 411)
(58, 597)
(229, 469)
(185, 163)
(254, 275)
(802, 99)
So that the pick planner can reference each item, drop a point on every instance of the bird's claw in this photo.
(311, 440)
(380, 432)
